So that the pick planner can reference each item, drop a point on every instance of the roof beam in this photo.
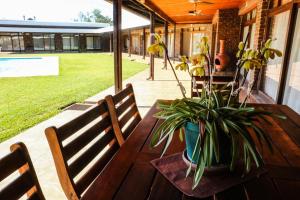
(150, 5)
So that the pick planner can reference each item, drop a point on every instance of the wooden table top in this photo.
(129, 175)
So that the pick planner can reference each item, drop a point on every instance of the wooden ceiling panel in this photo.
(178, 10)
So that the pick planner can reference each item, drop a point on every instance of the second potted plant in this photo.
(217, 129)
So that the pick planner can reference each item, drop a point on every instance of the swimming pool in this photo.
(29, 66)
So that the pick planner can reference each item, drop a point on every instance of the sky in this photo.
(60, 10)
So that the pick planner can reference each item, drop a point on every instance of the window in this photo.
(74, 42)
(292, 88)
(245, 33)
(38, 42)
(5, 43)
(196, 41)
(252, 36)
(49, 42)
(16, 42)
(135, 44)
(97, 42)
(66, 42)
(21, 39)
(89, 43)
(171, 44)
(278, 31)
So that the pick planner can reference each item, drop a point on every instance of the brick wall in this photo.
(82, 43)
(28, 42)
(260, 35)
(58, 42)
(227, 22)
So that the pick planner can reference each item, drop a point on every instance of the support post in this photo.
(181, 42)
(117, 13)
(174, 43)
(166, 30)
(129, 41)
(152, 31)
(144, 43)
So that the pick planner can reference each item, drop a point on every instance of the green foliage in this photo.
(94, 16)
(234, 122)
(251, 58)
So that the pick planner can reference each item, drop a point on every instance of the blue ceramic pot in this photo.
(191, 131)
(191, 135)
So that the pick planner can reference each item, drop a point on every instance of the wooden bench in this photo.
(82, 148)
(26, 183)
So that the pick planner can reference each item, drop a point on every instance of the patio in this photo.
(101, 148)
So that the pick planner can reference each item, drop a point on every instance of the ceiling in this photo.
(178, 10)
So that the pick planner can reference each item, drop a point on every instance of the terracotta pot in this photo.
(222, 59)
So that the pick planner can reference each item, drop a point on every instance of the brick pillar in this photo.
(58, 41)
(82, 43)
(260, 31)
(228, 29)
(28, 42)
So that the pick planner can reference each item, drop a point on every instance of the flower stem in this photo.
(182, 89)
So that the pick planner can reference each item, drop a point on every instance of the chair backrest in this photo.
(81, 148)
(218, 82)
(26, 183)
(124, 112)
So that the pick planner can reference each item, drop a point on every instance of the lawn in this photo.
(25, 102)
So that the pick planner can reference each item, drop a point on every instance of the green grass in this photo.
(25, 102)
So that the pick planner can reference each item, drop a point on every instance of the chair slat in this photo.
(94, 171)
(127, 116)
(34, 196)
(18, 187)
(122, 94)
(131, 126)
(129, 102)
(78, 143)
(69, 128)
(84, 159)
(10, 163)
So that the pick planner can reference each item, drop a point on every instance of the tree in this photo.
(94, 16)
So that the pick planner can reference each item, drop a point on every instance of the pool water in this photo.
(8, 59)
(29, 66)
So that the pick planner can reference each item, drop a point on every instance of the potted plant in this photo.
(217, 129)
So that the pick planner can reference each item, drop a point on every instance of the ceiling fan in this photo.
(196, 12)
(200, 1)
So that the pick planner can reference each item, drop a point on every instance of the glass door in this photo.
(292, 88)
(279, 27)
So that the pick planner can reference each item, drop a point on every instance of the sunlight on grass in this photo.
(25, 102)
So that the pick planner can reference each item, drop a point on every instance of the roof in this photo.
(12, 26)
(41, 24)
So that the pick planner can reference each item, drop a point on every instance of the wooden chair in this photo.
(124, 112)
(27, 182)
(82, 148)
(218, 82)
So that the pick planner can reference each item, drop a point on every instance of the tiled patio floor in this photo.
(147, 92)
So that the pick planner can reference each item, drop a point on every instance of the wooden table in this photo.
(129, 175)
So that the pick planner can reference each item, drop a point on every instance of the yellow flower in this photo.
(198, 71)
